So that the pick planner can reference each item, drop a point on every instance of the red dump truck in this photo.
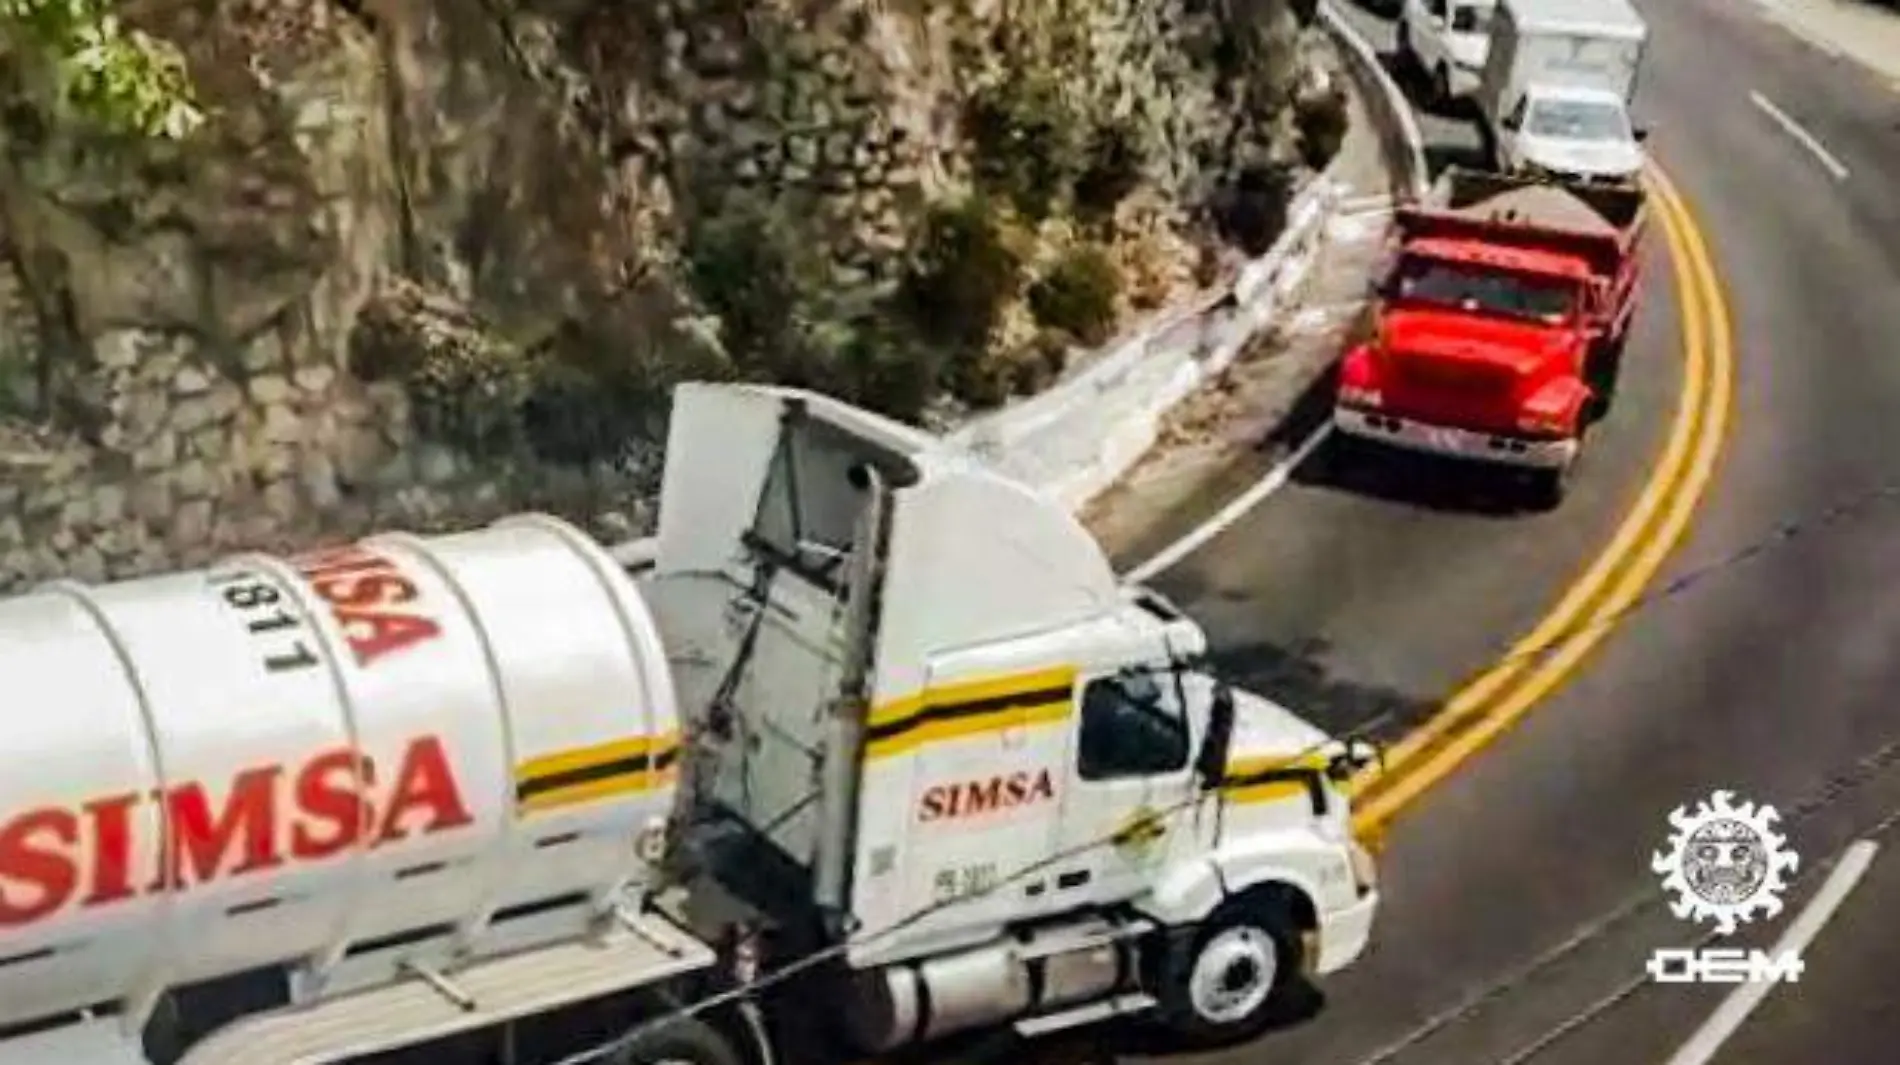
(1500, 324)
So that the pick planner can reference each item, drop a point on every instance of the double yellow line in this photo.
(1483, 710)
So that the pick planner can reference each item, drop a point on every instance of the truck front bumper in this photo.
(1414, 435)
(1343, 934)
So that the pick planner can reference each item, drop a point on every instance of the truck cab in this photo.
(1044, 776)
(1446, 41)
(1570, 134)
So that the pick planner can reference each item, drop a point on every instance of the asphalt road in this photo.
(1771, 676)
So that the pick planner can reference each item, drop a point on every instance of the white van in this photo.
(1558, 80)
(1446, 40)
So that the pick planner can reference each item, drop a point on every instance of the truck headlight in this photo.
(1360, 396)
(1543, 423)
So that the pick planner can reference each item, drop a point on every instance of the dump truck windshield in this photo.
(1486, 290)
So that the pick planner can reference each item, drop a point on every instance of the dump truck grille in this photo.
(1475, 379)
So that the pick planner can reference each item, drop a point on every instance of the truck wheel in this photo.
(1606, 365)
(687, 1041)
(1226, 982)
(1402, 47)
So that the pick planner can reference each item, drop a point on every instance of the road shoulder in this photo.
(1862, 31)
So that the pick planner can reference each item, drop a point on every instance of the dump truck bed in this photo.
(1602, 223)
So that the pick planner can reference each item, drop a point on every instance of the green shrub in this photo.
(1078, 295)
(967, 270)
(782, 320)
(1113, 171)
(466, 384)
(1031, 146)
(1251, 212)
(762, 279)
(97, 66)
(991, 377)
(1322, 123)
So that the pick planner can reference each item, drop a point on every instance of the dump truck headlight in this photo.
(1359, 396)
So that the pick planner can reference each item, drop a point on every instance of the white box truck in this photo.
(865, 711)
(1554, 99)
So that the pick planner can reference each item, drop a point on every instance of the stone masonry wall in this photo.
(200, 343)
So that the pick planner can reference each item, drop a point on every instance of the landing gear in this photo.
(1227, 982)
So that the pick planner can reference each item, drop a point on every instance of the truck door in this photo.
(1129, 776)
(990, 759)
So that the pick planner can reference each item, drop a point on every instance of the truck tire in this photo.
(1605, 367)
(1228, 980)
(687, 1041)
(1403, 56)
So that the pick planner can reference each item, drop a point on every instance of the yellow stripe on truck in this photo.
(971, 708)
(588, 774)
(1252, 780)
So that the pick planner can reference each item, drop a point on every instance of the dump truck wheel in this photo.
(687, 1041)
(1226, 982)
(1606, 365)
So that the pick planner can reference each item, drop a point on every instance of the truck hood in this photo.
(1583, 158)
(1451, 336)
(1263, 729)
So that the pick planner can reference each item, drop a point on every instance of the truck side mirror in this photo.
(1357, 755)
(1211, 763)
(1641, 133)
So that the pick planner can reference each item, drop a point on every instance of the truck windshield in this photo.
(1578, 120)
(1487, 290)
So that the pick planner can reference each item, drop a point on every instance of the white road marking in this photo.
(1800, 134)
(1728, 1017)
(1274, 480)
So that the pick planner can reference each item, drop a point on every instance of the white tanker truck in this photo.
(499, 796)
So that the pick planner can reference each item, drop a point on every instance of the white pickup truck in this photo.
(1556, 88)
(1446, 40)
